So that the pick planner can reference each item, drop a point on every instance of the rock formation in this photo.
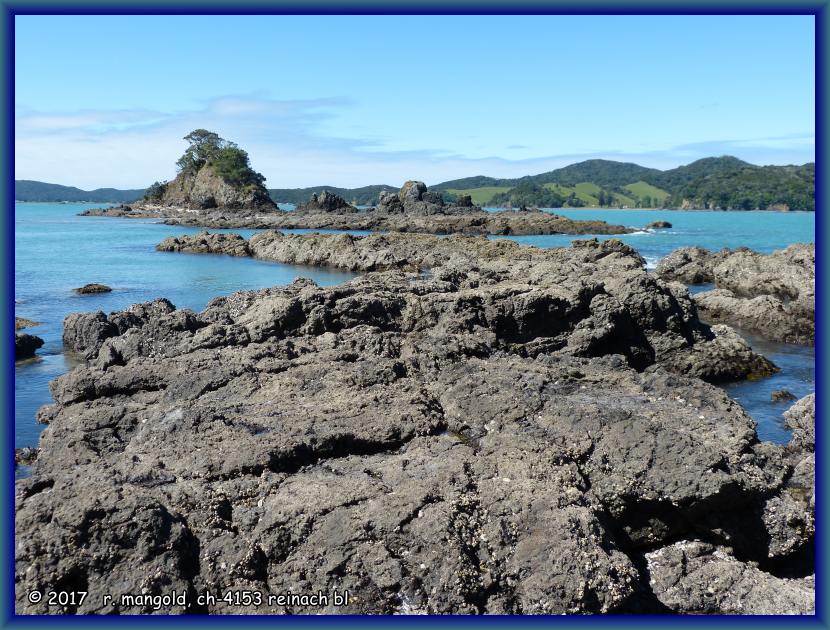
(772, 295)
(504, 432)
(697, 576)
(206, 189)
(658, 225)
(91, 288)
(26, 345)
(413, 209)
(326, 202)
(206, 243)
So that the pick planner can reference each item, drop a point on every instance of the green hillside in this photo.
(364, 196)
(30, 190)
(725, 183)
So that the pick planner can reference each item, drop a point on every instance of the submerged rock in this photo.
(22, 322)
(505, 434)
(772, 295)
(26, 345)
(780, 395)
(91, 288)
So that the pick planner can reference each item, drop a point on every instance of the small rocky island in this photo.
(217, 188)
(470, 426)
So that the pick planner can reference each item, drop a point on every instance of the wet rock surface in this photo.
(500, 430)
(659, 225)
(25, 345)
(772, 295)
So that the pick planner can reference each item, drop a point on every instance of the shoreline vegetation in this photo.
(470, 426)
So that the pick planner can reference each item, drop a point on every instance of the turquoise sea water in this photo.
(56, 250)
(758, 230)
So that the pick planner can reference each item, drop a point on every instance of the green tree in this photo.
(156, 191)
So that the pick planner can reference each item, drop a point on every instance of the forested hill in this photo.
(365, 196)
(30, 190)
(723, 183)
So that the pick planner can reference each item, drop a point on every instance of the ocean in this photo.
(56, 250)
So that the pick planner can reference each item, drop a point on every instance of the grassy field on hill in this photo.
(641, 190)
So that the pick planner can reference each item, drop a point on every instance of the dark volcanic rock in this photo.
(206, 243)
(501, 435)
(698, 577)
(723, 356)
(772, 295)
(94, 287)
(85, 333)
(464, 201)
(415, 200)
(658, 225)
(690, 265)
(26, 345)
(326, 202)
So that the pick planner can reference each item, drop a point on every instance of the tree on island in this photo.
(230, 162)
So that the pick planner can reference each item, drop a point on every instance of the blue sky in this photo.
(356, 100)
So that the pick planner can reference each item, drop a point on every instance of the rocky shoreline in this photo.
(472, 426)
(772, 295)
(414, 209)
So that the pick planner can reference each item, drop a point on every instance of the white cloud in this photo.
(133, 148)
